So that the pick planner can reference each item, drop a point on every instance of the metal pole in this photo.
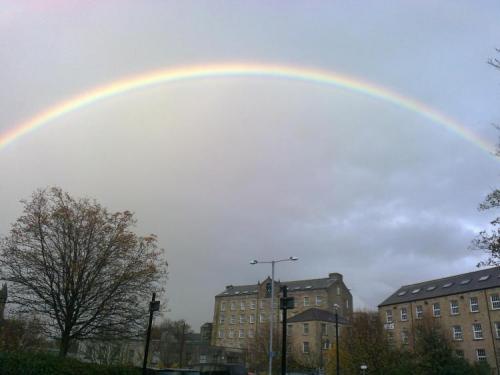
(283, 345)
(148, 336)
(337, 340)
(271, 322)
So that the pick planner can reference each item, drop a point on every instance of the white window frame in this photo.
(306, 300)
(232, 320)
(305, 328)
(223, 306)
(252, 304)
(436, 310)
(251, 319)
(251, 333)
(497, 330)
(477, 331)
(222, 318)
(289, 329)
(454, 307)
(419, 311)
(242, 305)
(233, 305)
(458, 334)
(404, 314)
(481, 355)
(388, 317)
(241, 334)
(405, 337)
(324, 329)
(242, 319)
(305, 344)
(495, 301)
(262, 303)
(221, 334)
(231, 334)
(262, 318)
(476, 304)
(319, 300)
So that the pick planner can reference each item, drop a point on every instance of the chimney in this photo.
(335, 275)
(229, 287)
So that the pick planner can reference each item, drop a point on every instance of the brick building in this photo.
(241, 312)
(467, 307)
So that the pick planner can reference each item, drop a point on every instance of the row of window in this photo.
(306, 347)
(457, 332)
(241, 333)
(436, 308)
(233, 305)
(247, 319)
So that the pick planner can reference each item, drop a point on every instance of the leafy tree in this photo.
(79, 267)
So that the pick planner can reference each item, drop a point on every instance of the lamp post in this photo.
(272, 262)
(363, 369)
(337, 359)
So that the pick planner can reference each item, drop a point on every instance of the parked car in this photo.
(221, 369)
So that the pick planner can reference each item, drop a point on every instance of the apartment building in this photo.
(467, 307)
(241, 311)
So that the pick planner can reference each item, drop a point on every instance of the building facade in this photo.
(467, 307)
(242, 313)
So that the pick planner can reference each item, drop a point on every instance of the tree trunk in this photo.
(64, 346)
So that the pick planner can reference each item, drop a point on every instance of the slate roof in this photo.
(293, 286)
(466, 282)
(315, 314)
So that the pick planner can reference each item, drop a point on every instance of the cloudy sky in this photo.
(230, 169)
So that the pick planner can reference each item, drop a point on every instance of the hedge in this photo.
(15, 363)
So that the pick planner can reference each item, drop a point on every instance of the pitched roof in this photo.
(466, 282)
(293, 286)
(315, 314)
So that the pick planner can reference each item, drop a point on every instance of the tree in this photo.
(80, 267)
(173, 336)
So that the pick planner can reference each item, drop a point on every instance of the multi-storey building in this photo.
(467, 307)
(241, 311)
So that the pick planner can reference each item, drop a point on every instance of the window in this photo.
(388, 316)
(419, 311)
(233, 305)
(347, 304)
(436, 310)
(404, 314)
(454, 307)
(484, 278)
(242, 319)
(474, 304)
(223, 306)
(262, 318)
(319, 300)
(231, 333)
(252, 304)
(404, 336)
(305, 328)
(221, 319)
(481, 355)
(415, 291)
(326, 344)
(324, 329)
(458, 335)
(495, 301)
(338, 291)
(305, 347)
(306, 301)
(233, 319)
(242, 305)
(251, 318)
(251, 333)
(241, 333)
(262, 304)
(221, 334)
(478, 331)
(289, 329)
(459, 353)
(497, 330)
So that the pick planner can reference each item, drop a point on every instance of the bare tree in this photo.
(80, 267)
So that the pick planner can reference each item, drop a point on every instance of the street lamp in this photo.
(363, 369)
(336, 307)
(272, 262)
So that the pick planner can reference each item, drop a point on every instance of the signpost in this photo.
(153, 306)
(286, 303)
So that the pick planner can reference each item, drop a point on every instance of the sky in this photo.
(229, 169)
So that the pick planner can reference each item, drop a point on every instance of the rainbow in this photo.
(237, 70)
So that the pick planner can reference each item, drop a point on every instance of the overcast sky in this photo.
(231, 169)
